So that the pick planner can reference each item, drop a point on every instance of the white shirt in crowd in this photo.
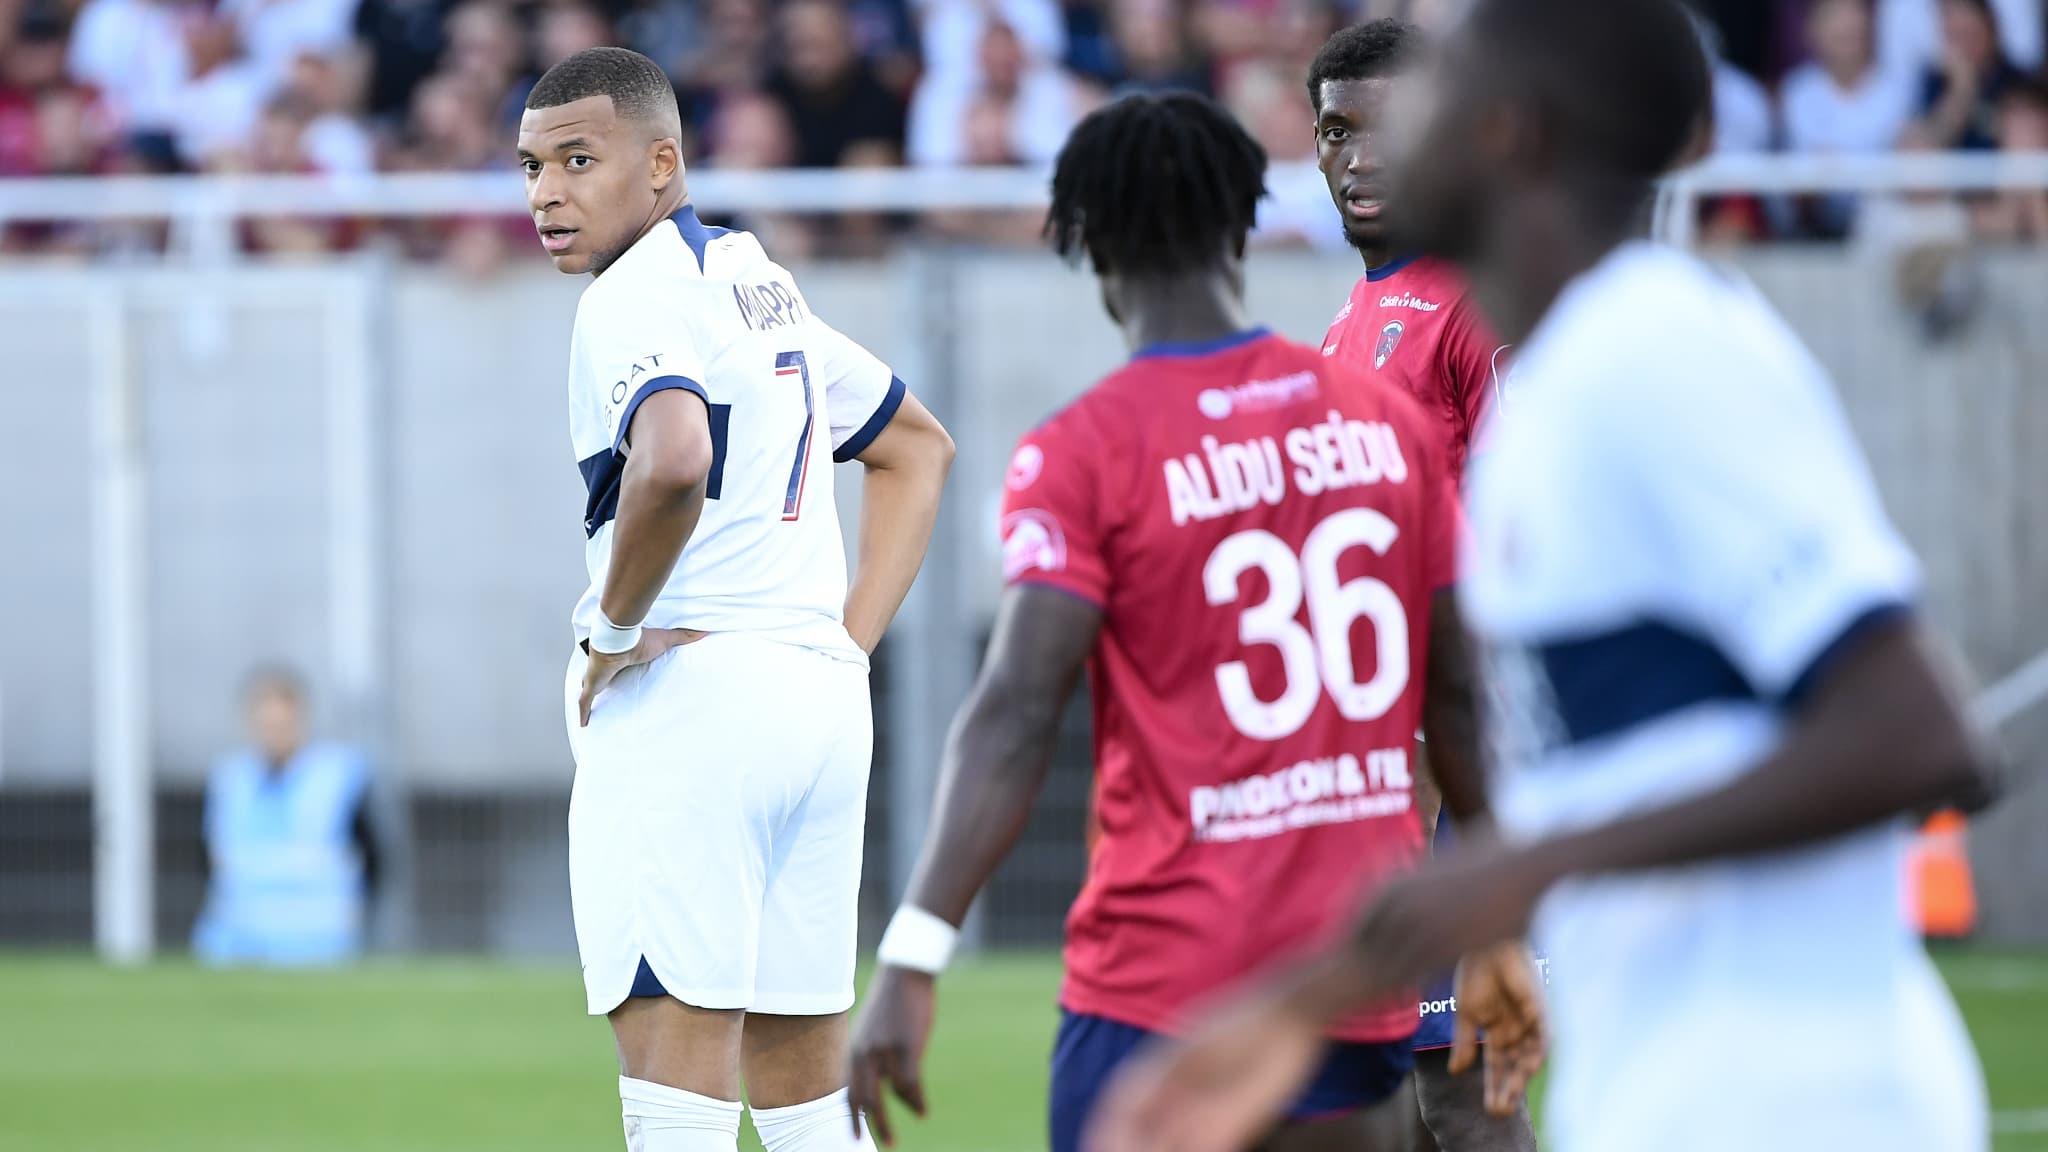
(1742, 111)
(1047, 106)
(275, 33)
(1821, 116)
(133, 51)
(1909, 33)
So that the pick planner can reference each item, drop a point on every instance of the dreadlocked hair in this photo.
(1155, 184)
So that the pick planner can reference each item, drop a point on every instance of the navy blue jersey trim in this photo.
(1387, 271)
(645, 982)
(1201, 347)
(1611, 683)
(601, 474)
(859, 441)
(1831, 654)
(694, 233)
(658, 384)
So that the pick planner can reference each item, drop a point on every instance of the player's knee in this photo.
(660, 1118)
(821, 1125)
(664, 1041)
(793, 1060)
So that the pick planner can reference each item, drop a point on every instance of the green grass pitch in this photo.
(468, 1055)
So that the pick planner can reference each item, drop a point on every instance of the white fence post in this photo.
(124, 841)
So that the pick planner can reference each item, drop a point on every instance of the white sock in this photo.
(664, 1119)
(823, 1125)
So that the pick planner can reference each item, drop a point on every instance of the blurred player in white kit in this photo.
(718, 698)
(1713, 708)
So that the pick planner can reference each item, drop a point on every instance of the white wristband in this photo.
(610, 639)
(917, 940)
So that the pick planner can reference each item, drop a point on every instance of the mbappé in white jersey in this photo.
(1670, 538)
(705, 310)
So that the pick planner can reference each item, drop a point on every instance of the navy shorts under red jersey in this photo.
(1089, 1049)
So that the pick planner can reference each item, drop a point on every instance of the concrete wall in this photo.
(482, 502)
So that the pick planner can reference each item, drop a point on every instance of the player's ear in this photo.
(664, 162)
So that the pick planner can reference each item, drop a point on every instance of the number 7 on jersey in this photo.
(790, 364)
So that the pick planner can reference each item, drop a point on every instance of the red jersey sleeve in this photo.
(1472, 355)
(1446, 522)
(1054, 511)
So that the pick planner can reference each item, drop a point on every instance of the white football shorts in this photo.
(715, 826)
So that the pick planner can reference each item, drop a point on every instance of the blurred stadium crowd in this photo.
(353, 86)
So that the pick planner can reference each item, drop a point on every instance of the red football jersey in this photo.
(1411, 324)
(1263, 531)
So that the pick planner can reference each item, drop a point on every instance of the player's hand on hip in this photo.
(1499, 990)
(887, 1050)
(601, 667)
(1221, 1088)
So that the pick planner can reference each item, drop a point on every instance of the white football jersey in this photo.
(1670, 539)
(705, 310)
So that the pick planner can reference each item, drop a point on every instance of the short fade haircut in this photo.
(1155, 185)
(1623, 88)
(1365, 51)
(638, 88)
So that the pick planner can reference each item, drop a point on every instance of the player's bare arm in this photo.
(661, 496)
(906, 473)
(1883, 734)
(995, 763)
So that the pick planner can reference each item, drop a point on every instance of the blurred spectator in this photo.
(1154, 50)
(1268, 99)
(404, 40)
(840, 110)
(32, 82)
(1960, 99)
(1091, 50)
(275, 32)
(451, 128)
(290, 854)
(279, 149)
(2019, 215)
(1842, 102)
(487, 49)
(952, 31)
(335, 140)
(664, 31)
(566, 29)
(134, 53)
(752, 133)
(218, 106)
(1910, 40)
(732, 60)
(1016, 110)
(885, 33)
(1295, 31)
